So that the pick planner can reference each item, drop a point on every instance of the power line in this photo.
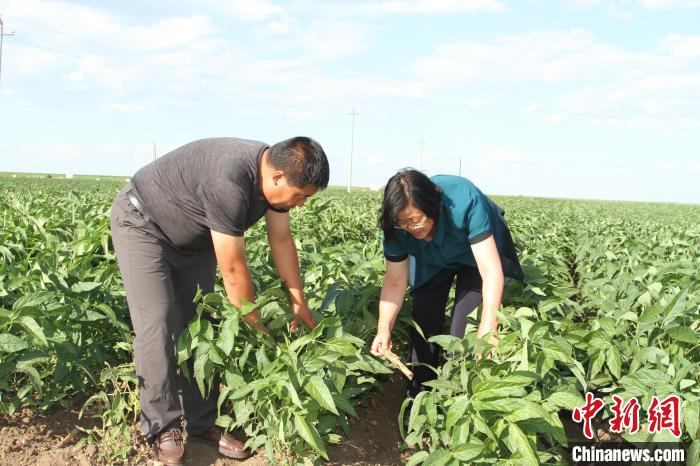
(83, 56)
(82, 39)
(118, 59)
(421, 142)
(2, 34)
(78, 55)
(352, 144)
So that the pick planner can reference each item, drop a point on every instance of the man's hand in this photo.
(253, 319)
(302, 313)
(381, 342)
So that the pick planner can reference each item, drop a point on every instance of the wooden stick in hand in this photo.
(395, 360)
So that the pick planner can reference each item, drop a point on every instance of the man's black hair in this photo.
(302, 160)
(408, 186)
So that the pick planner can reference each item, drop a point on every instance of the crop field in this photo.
(610, 306)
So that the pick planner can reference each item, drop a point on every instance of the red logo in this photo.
(665, 415)
(625, 416)
(587, 413)
(662, 415)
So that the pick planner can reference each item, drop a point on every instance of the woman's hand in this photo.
(381, 342)
(490, 325)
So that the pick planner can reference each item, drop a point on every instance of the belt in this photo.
(136, 202)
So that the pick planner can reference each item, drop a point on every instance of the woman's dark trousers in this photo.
(429, 305)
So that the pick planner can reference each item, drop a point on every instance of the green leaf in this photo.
(439, 457)
(431, 411)
(566, 400)
(33, 300)
(517, 442)
(84, 287)
(650, 315)
(497, 389)
(214, 356)
(444, 385)
(33, 375)
(310, 435)
(682, 334)
(344, 405)
(293, 394)
(456, 411)
(596, 363)
(319, 391)
(447, 342)
(598, 340)
(613, 361)
(227, 335)
(11, 344)
(415, 410)
(691, 419)
(199, 372)
(33, 327)
(694, 453)
(468, 451)
(417, 458)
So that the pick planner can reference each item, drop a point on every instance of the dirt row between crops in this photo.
(30, 439)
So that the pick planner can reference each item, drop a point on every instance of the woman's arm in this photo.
(489, 264)
(390, 301)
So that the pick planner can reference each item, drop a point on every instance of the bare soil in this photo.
(50, 439)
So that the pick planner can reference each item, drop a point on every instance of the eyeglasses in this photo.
(411, 224)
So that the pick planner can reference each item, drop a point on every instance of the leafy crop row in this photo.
(610, 305)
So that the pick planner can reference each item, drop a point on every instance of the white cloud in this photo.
(432, 7)
(125, 107)
(246, 10)
(555, 118)
(682, 46)
(372, 159)
(584, 77)
(184, 68)
(617, 5)
(75, 76)
(499, 157)
(663, 101)
(30, 60)
(668, 4)
(326, 40)
(542, 56)
(678, 167)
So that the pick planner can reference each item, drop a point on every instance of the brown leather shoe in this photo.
(169, 447)
(228, 446)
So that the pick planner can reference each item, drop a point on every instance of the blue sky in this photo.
(578, 98)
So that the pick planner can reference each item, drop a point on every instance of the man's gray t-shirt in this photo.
(209, 184)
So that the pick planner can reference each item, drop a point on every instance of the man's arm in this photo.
(489, 264)
(284, 254)
(230, 255)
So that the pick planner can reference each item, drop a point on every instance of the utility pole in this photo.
(460, 166)
(154, 149)
(352, 147)
(2, 34)
(421, 142)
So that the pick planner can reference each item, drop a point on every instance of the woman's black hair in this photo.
(408, 186)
